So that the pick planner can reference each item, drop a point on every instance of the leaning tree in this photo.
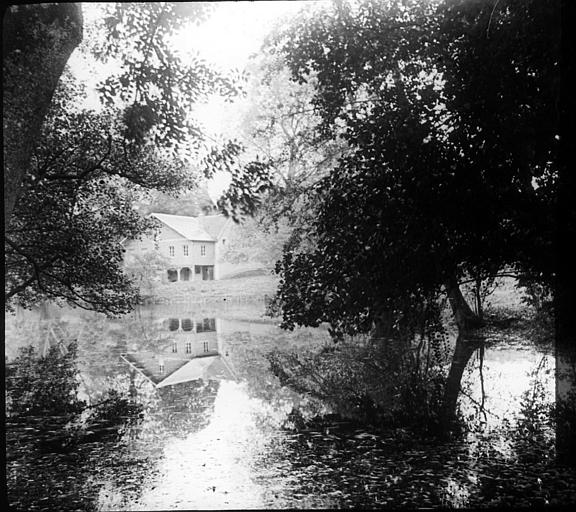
(37, 41)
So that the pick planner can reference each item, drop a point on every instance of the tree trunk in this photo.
(466, 345)
(565, 275)
(37, 41)
(566, 401)
(467, 342)
(465, 318)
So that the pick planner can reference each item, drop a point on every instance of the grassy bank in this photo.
(253, 288)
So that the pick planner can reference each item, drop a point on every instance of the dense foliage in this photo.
(45, 389)
(377, 384)
(37, 386)
(448, 111)
(159, 85)
(434, 187)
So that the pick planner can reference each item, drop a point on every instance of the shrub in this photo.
(533, 436)
(539, 298)
(37, 386)
(378, 383)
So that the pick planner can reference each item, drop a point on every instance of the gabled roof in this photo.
(205, 368)
(213, 224)
(147, 363)
(188, 227)
(179, 370)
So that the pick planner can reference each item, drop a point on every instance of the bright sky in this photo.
(234, 32)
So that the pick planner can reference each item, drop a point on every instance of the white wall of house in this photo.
(182, 252)
(192, 345)
(179, 252)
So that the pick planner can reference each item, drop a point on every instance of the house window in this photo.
(187, 324)
(173, 324)
(188, 347)
(171, 249)
(205, 344)
(161, 366)
(202, 250)
(198, 269)
(185, 250)
(174, 347)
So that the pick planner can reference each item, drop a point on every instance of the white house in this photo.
(192, 247)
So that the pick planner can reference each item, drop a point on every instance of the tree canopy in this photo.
(278, 123)
(436, 184)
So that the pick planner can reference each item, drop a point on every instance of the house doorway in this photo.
(172, 275)
(206, 271)
(185, 274)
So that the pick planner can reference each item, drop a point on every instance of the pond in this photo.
(212, 434)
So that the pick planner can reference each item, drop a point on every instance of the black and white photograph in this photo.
(308, 254)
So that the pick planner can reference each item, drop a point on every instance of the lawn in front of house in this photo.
(241, 287)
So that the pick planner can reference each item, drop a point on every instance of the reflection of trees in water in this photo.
(46, 388)
(43, 386)
(57, 445)
(71, 481)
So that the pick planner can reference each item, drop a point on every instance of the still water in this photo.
(213, 434)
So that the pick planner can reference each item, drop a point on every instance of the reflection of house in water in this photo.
(191, 351)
